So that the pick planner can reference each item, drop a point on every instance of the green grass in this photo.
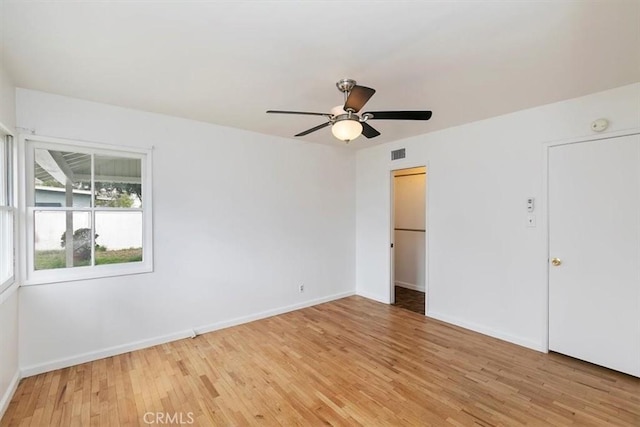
(119, 256)
(46, 260)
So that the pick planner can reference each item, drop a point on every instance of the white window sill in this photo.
(44, 277)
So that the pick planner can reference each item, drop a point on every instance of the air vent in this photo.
(398, 154)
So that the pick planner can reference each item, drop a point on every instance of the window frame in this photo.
(8, 182)
(56, 275)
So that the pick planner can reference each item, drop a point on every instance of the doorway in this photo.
(408, 237)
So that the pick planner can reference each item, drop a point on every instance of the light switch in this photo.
(530, 203)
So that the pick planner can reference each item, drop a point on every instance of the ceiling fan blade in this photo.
(398, 115)
(358, 96)
(308, 131)
(305, 113)
(368, 130)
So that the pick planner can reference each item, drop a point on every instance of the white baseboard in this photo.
(28, 371)
(9, 392)
(369, 295)
(268, 313)
(138, 345)
(410, 286)
(524, 342)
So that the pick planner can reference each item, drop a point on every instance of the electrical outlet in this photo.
(531, 221)
(301, 288)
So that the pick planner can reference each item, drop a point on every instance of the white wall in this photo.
(409, 193)
(7, 100)
(9, 299)
(9, 368)
(486, 269)
(240, 220)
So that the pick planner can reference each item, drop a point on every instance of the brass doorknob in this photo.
(556, 262)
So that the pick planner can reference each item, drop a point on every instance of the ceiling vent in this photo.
(398, 154)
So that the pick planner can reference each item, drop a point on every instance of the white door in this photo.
(594, 235)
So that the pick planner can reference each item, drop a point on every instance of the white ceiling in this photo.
(226, 62)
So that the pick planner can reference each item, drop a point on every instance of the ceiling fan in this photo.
(346, 124)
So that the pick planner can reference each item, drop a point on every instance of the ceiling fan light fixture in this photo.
(346, 126)
(346, 129)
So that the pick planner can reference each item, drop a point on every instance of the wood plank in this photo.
(348, 362)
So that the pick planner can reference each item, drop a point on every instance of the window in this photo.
(7, 213)
(88, 211)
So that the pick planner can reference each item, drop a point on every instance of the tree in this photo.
(117, 195)
(81, 244)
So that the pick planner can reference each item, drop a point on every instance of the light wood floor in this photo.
(348, 362)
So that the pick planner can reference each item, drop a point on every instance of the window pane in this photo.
(6, 245)
(118, 182)
(53, 170)
(86, 210)
(53, 248)
(119, 237)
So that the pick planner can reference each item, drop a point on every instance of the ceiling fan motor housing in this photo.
(338, 113)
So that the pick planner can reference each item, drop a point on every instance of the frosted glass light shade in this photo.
(346, 130)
